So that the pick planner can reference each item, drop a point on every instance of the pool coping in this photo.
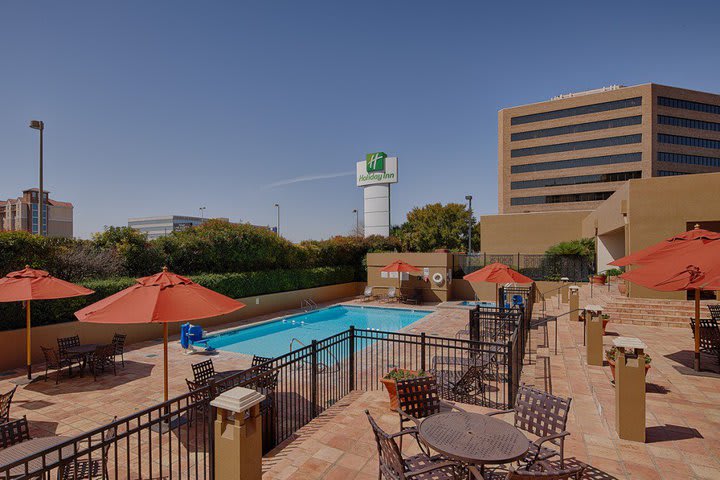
(457, 304)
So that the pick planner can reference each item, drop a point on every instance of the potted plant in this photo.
(598, 279)
(391, 378)
(611, 354)
(622, 287)
(605, 319)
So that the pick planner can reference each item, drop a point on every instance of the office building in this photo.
(156, 227)
(574, 151)
(21, 214)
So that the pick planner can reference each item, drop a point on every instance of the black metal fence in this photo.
(535, 266)
(174, 440)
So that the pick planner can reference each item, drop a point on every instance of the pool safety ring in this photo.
(438, 278)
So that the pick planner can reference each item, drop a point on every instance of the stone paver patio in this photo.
(683, 408)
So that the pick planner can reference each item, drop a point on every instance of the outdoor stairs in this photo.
(654, 312)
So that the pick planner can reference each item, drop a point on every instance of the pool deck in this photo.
(683, 408)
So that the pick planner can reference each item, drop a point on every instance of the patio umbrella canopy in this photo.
(668, 248)
(30, 284)
(161, 298)
(400, 267)
(497, 273)
(694, 269)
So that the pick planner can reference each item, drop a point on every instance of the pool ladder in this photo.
(308, 304)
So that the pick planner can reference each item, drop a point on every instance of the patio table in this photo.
(84, 351)
(29, 447)
(473, 438)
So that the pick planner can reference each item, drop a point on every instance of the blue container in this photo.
(184, 340)
(195, 333)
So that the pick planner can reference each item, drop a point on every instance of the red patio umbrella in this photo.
(161, 298)
(694, 269)
(30, 284)
(668, 248)
(400, 267)
(497, 273)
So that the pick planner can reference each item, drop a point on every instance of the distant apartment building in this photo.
(574, 151)
(22, 214)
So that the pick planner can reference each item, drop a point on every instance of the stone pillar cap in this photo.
(594, 308)
(238, 399)
(564, 279)
(574, 288)
(629, 342)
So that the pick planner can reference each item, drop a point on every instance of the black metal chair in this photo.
(53, 361)
(543, 415)
(14, 432)
(709, 332)
(199, 400)
(203, 371)
(418, 398)
(102, 357)
(118, 342)
(267, 378)
(393, 465)
(65, 343)
(541, 470)
(86, 467)
(5, 403)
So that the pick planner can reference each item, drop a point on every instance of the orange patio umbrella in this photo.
(497, 273)
(30, 284)
(161, 298)
(400, 267)
(668, 248)
(694, 269)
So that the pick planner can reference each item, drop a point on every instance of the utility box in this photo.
(564, 289)
(238, 435)
(630, 388)
(574, 300)
(594, 335)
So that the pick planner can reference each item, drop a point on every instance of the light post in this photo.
(38, 125)
(277, 205)
(357, 222)
(469, 199)
(202, 213)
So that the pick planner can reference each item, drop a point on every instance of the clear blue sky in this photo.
(160, 107)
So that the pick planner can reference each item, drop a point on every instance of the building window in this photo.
(669, 173)
(578, 180)
(688, 159)
(579, 128)
(35, 219)
(688, 141)
(688, 123)
(571, 112)
(688, 105)
(583, 145)
(577, 162)
(564, 198)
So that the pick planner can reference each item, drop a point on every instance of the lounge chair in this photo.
(5, 402)
(413, 299)
(545, 416)
(463, 378)
(392, 464)
(391, 295)
(367, 294)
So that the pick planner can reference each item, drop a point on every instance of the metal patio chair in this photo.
(393, 465)
(200, 398)
(203, 371)
(418, 398)
(541, 470)
(86, 467)
(118, 342)
(543, 415)
(54, 362)
(14, 432)
(709, 334)
(267, 379)
(63, 344)
(5, 403)
(103, 356)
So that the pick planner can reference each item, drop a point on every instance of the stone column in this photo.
(564, 292)
(630, 389)
(594, 335)
(238, 435)
(574, 300)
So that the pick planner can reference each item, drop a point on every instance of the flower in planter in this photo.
(611, 355)
(400, 374)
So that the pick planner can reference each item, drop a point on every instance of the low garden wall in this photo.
(13, 341)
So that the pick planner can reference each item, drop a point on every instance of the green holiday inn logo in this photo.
(375, 162)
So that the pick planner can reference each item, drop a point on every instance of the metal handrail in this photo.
(309, 303)
(295, 339)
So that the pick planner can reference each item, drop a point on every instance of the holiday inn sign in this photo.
(377, 168)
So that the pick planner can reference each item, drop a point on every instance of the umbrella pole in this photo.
(165, 359)
(697, 329)
(28, 343)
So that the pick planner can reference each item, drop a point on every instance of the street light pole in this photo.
(357, 222)
(277, 205)
(469, 199)
(38, 125)
(202, 213)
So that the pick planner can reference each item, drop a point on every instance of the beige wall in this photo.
(464, 290)
(436, 262)
(13, 341)
(529, 232)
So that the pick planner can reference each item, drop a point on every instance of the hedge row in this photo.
(234, 285)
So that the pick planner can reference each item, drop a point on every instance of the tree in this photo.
(139, 256)
(435, 226)
(584, 247)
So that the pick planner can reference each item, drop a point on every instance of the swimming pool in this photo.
(272, 339)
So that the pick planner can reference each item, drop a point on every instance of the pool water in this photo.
(470, 303)
(272, 339)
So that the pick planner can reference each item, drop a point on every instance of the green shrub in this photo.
(235, 285)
